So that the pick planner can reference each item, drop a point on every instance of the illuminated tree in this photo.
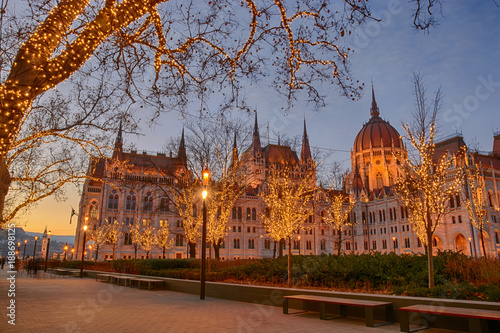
(163, 238)
(337, 212)
(135, 237)
(288, 200)
(162, 51)
(427, 181)
(186, 199)
(99, 235)
(148, 239)
(476, 202)
(113, 236)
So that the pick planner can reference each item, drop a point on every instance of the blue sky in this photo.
(462, 55)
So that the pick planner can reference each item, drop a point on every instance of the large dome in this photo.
(377, 133)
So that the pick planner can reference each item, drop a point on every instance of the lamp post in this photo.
(83, 246)
(470, 245)
(34, 248)
(18, 248)
(394, 243)
(24, 250)
(47, 253)
(65, 251)
(206, 177)
(73, 254)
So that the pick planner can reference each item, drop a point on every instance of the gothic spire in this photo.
(234, 159)
(305, 154)
(256, 147)
(181, 153)
(374, 111)
(117, 153)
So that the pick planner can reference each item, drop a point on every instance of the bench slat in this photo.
(452, 311)
(336, 300)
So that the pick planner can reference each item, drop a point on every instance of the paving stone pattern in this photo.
(50, 303)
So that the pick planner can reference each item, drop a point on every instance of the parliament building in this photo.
(132, 187)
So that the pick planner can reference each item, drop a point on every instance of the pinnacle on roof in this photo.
(256, 147)
(374, 111)
(181, 153)
(305, 154)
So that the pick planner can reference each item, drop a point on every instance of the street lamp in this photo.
(83, 246)
(34, 248)
(18, 248)
(73, 254)
(24, 250)
(47, 253)
(470, 244)
(394, 243)
(65, 250)
(206, 178)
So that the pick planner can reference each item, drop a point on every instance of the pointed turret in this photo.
(374, 111)
(117, 153)
(305, 155)
(45, 235)
(357, 182)
(181, 153)
(234, 159)
(256, 147)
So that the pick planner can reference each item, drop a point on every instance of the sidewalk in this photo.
(50, 303)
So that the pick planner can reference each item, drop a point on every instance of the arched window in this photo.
(110, 201)
(380, 182)
(93, 209)
(148, 202)
(239, 213)
(254, 214)
(249, 214)
(236, 243)
(363, 216)
(380, 215)
(164, 204)
(234, 213)
(267, 244)
(391, 179)
(322, 245)
(251, 244)
(497, 237)
(390, 214)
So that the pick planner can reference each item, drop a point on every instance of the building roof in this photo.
(377, 133)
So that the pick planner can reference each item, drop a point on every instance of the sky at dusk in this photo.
(462, 55)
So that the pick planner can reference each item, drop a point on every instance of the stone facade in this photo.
(132, 187)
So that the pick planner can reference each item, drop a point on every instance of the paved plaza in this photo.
(50, 303)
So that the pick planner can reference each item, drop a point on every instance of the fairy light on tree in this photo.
(99, 236)
(476, 202)
(288, 201)
(125, 37)
(337, 212)
(185, 201)
(163, 238)
(135, 237)
(148, 239)
(427, 181)
(113, 236)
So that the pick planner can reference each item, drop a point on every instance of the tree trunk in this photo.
(274, 250)
(96, 252)
(4, 186)
(280, 250)
(430, 259)
(289, 262)
(482, 241)
(135, 251)
(163, 252)
(217, 250)
(339, 241)
(192, 250)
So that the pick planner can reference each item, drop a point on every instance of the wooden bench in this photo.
(104, 277)
(478, 319)
(343, 302)
(148, 282)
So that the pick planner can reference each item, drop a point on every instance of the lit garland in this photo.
(163, 239)
(148, 239)
(185, 200)
(476, 203)
(337, 213)
(114, 235)
(288, 201)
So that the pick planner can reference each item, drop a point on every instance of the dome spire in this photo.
(374, 112)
